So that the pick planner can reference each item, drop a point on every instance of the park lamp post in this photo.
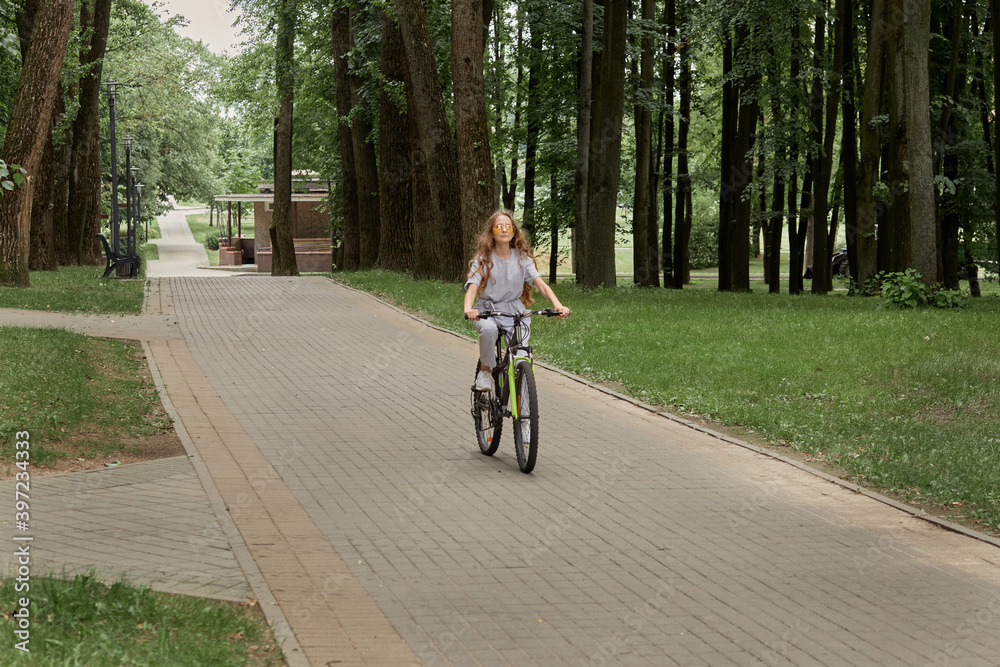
(138, 210)
(133, 219)
(127, 142)
(112, 89)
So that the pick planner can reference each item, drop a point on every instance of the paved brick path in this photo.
(337, 432)
(179, 254)
(149, 522)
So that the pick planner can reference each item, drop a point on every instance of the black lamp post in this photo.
(138, 210)
(133, 219)
(127, 141)
(112, 89)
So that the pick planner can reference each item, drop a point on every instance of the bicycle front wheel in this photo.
(487, 420)
(526, 423)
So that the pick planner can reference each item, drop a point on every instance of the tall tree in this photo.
(351, 242)
(923, 240)
(683, 212)
(605, 154)
(584, 96)
(825, 133)
(85, 171)
(534, 113)
(28, 131)
(644, 257)
(849, 133)
(283, 262)
(742, 169)
(365, 169)
(728, 158)
(868, 172)
(469, 22)
(395, 169)
(667, 141)
(995, 18)
(437, 232)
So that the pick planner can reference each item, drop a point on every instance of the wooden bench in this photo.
(113, 260)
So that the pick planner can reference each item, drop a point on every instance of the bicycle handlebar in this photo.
(547, 312)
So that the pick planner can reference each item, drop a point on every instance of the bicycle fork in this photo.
(515, 408)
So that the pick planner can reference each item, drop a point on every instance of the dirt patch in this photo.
(135, 450)
(89, 447)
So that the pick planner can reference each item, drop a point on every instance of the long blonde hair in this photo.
(484, 253)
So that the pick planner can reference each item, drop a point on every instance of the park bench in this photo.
(113, 260)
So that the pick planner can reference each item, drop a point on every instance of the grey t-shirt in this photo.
(507, 278)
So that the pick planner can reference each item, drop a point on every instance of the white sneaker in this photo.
(484, 381)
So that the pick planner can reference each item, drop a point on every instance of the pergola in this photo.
(263, 197)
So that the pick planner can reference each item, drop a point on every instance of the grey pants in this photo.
(488, 332)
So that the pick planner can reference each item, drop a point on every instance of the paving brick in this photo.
(625, 506)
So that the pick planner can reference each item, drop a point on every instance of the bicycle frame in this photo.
(506, 367)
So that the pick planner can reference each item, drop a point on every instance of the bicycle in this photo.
(514, 369)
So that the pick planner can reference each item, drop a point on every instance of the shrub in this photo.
(212, 240)
(703, 245)
(907, 290)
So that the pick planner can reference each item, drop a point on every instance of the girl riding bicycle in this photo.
(500, 278)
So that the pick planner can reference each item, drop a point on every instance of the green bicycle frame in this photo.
(511, 390)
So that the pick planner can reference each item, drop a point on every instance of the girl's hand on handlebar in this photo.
(472, 314)
(563, 312)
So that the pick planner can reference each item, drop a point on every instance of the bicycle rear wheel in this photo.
(526, 424)
(487, 420)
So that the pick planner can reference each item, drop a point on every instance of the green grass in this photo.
(75, 394)
(84, 622)
(904, 401)
(75, 289)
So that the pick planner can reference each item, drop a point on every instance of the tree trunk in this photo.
(584, 93)
(60, 200)
(995, 18)
(849, 135)
(868, 173)
(774, 225)
(553, 230)
(437, 225)
(667, 140)
(510, 190)
(475, 166)
(41, 256)
(795, 257)
(728, 157)
(947, 160)
(606, 144)
(682, 215)
(894, 234)
(396, 182)
(644, 265)
(366, 171)
(822, 280)
(28, 132)
(916, 89)
(351, 243)
(798, 235)
(742, 176)
(85, 164)
(533, 113)
(283, 262)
